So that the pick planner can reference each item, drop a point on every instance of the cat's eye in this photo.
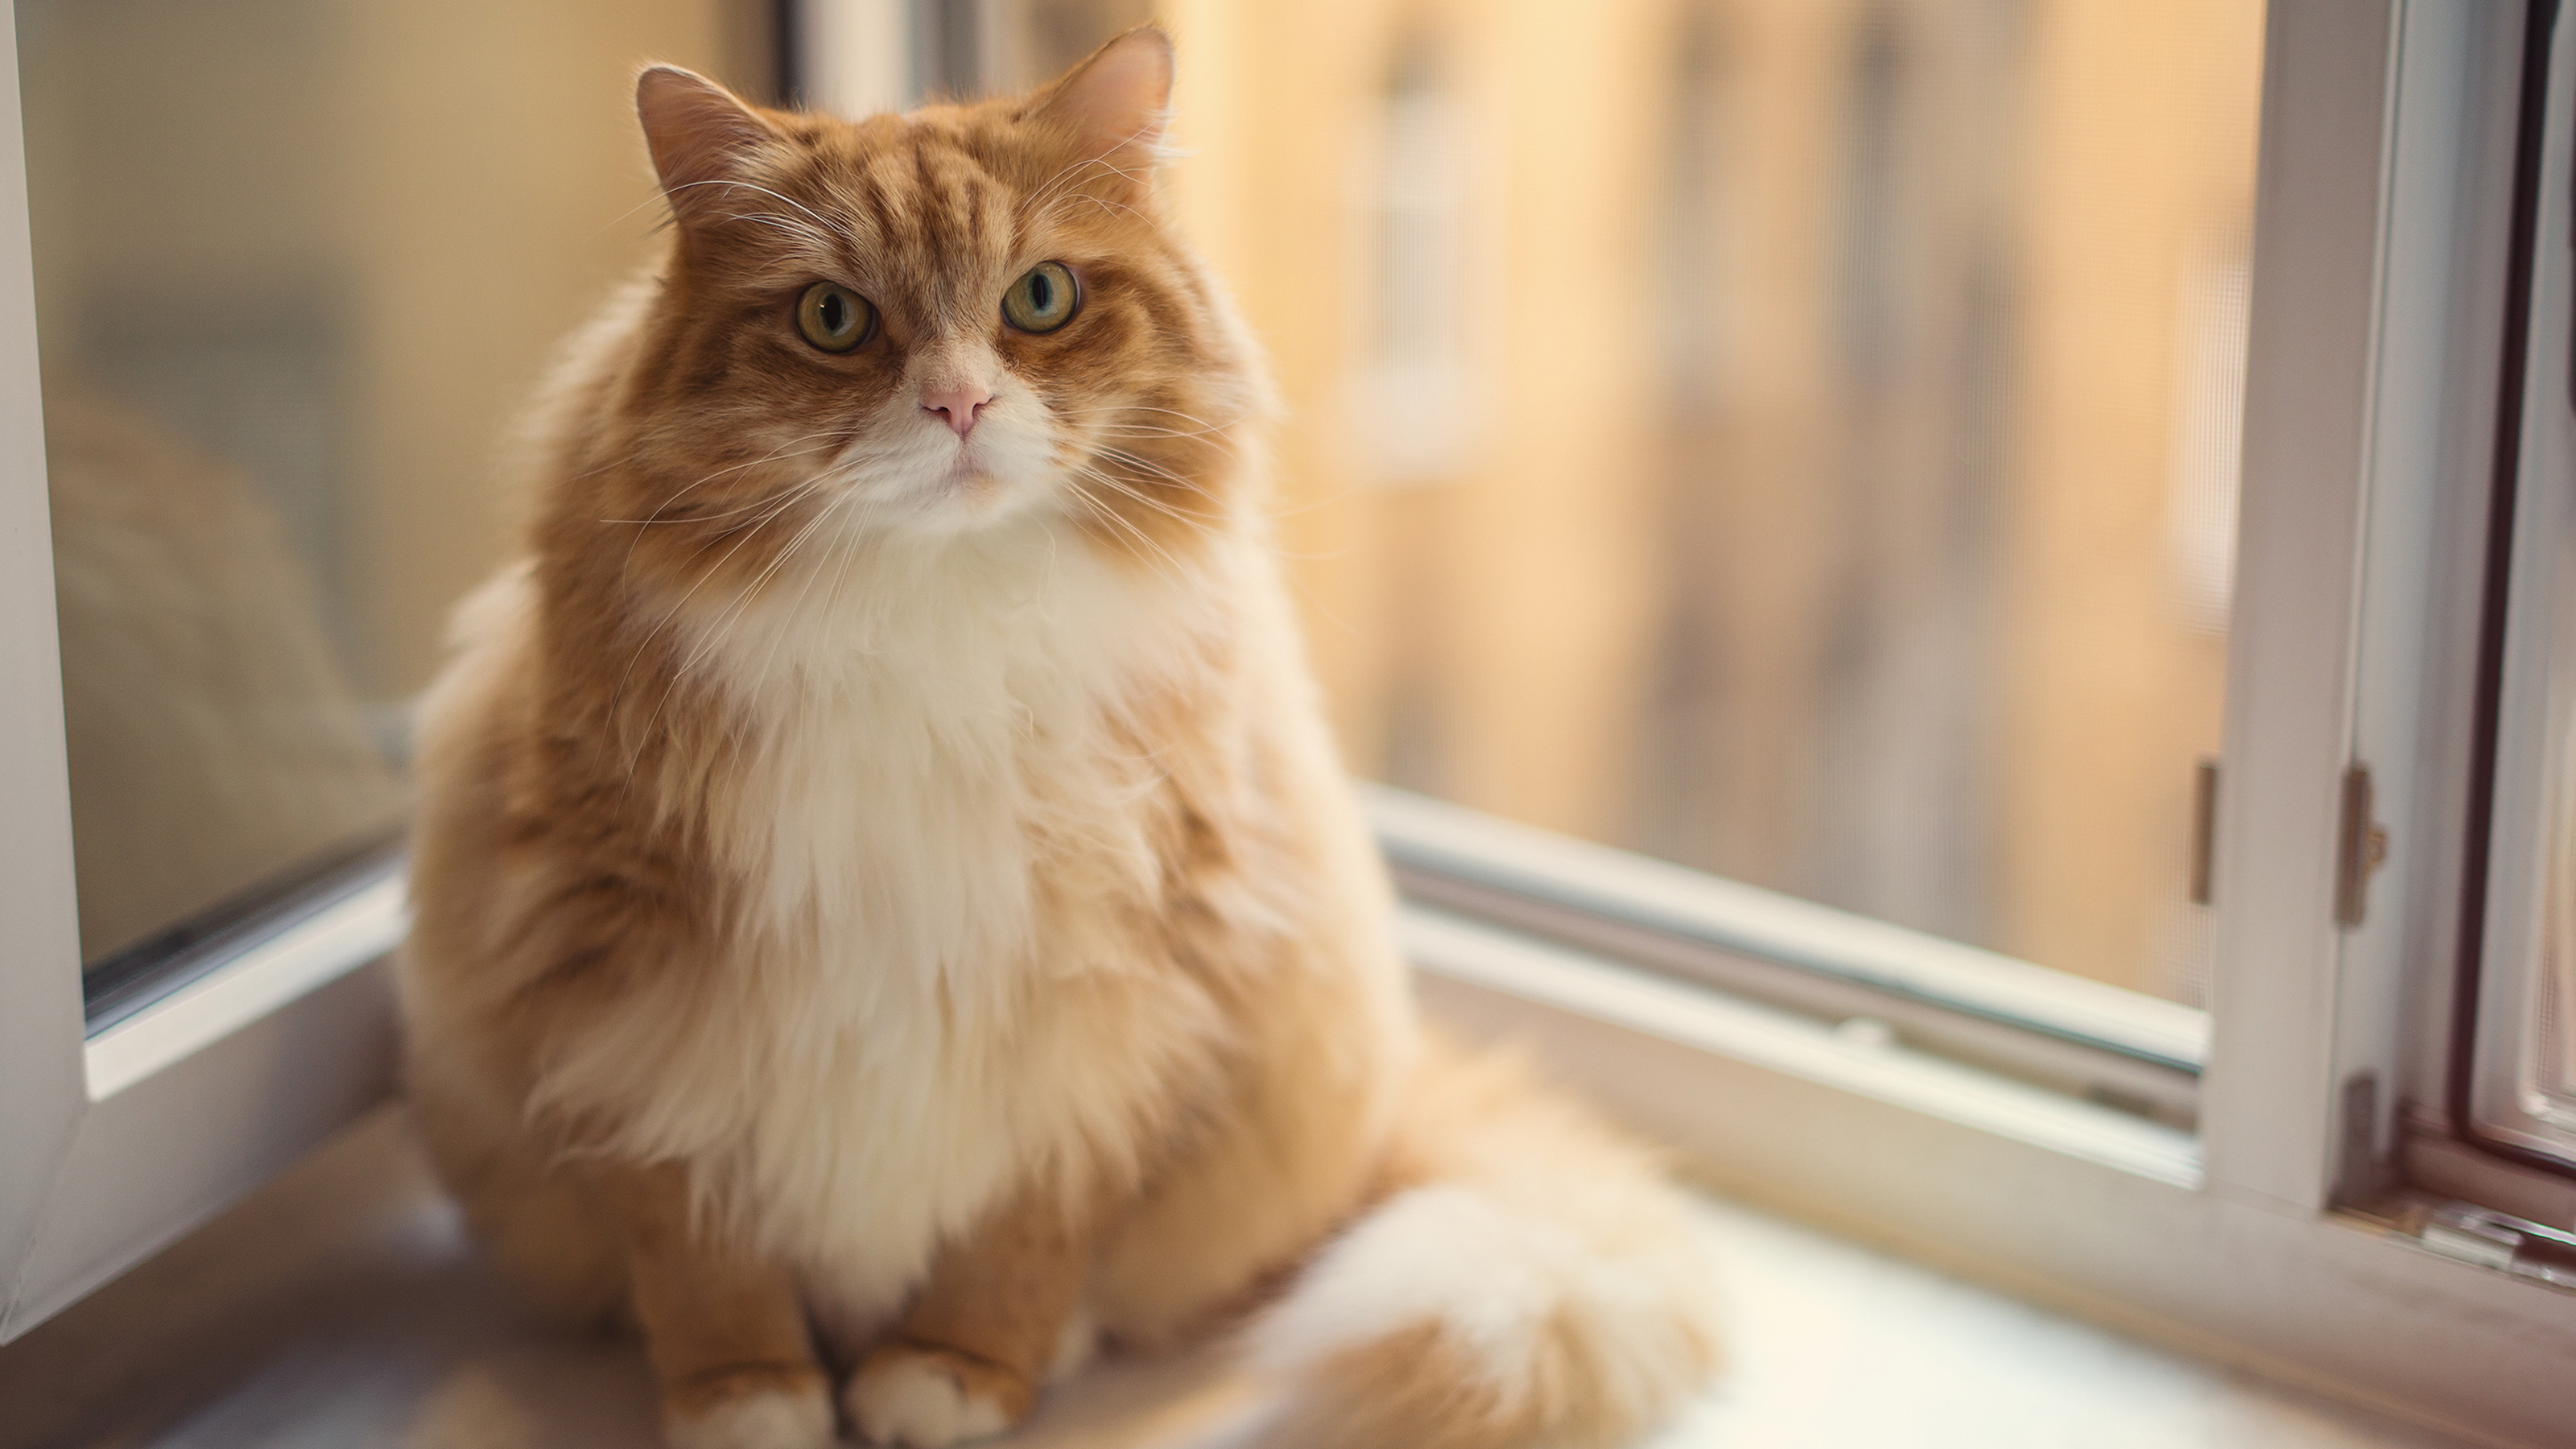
(833, 317)
(1042, 300)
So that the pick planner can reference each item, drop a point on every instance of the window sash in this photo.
(2267, 1098)
(2077, 1036)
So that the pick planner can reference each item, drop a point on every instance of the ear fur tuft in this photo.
(1117, 101)
(699, 132)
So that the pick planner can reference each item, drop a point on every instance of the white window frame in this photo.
(114, 1142)
(2369, 305)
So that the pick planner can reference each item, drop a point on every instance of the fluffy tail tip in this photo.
(1574, 1310)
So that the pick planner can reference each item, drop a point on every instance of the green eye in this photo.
(833, 317)
(1043, 300)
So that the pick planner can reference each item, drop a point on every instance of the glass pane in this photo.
(2525, 1052)
(1796, 438)
(2522, 1045)
(297, 263)
(2548, 1076)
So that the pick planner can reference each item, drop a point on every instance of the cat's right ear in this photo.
(702, 137)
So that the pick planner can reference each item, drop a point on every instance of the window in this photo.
(275, 356)
(293, 268)
(1891, 447)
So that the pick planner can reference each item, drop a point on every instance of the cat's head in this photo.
(932, 324)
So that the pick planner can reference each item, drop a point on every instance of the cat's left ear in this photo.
(1116, 104)
(701, 135)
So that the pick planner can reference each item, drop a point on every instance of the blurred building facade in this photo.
(1795, 438)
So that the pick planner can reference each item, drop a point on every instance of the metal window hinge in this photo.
(2500, 1241)
(2473, 1241)
(2362, 849)
(2204, 827)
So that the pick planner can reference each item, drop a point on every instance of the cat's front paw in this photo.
(758, 1408)
(929, 1398)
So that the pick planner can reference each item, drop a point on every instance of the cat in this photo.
(884, 894)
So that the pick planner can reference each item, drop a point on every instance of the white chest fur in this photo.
(916, 1022)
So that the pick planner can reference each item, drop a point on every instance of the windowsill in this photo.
(340, 1305)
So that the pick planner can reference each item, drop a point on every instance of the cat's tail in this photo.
(1532, 1281)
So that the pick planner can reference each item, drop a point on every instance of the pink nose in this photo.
(957, 405)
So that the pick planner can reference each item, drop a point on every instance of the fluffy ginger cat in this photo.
(885, 898)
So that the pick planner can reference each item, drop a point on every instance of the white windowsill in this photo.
(342, 1306)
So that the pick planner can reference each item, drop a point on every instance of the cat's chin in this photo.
(965, 499)
(972, 489)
